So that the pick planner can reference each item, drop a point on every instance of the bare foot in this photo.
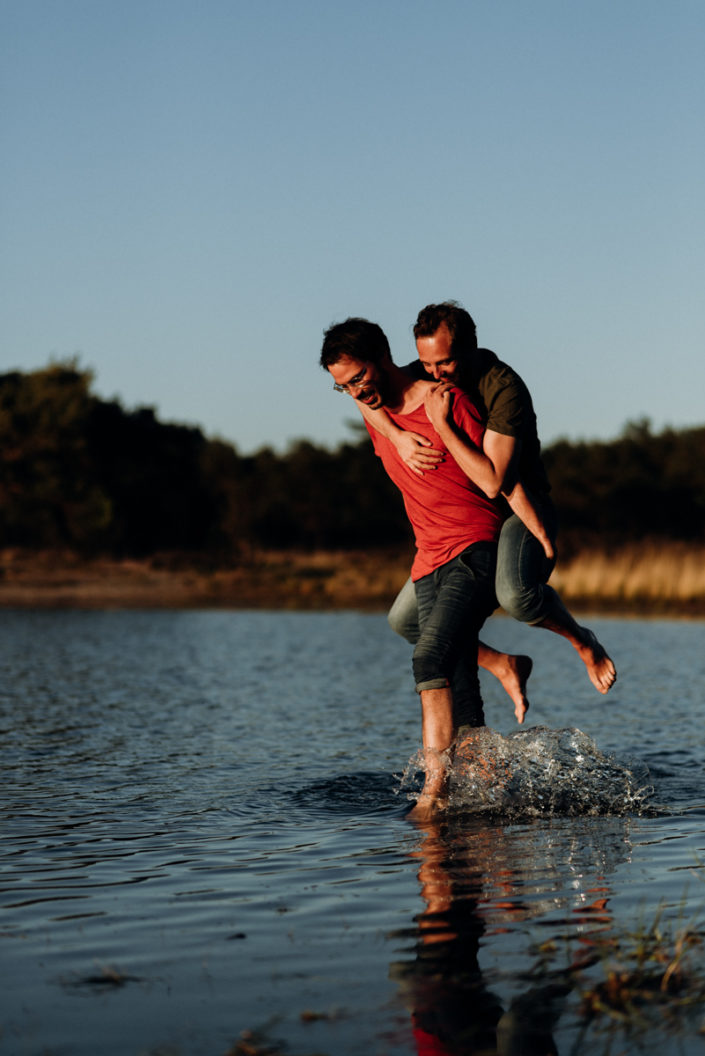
(514, 675)
(602, 672)
(426, 807)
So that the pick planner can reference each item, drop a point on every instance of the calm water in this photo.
(204, 834)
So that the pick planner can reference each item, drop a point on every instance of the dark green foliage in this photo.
(80, 472)
(155, 476)
(48, 490)
(86, 474)
(638, 486)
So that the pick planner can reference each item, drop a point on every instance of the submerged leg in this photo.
(437, 733)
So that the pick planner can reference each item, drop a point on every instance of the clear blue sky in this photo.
(190, 192)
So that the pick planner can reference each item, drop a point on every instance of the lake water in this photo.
(204, 847)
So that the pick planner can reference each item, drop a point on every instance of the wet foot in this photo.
(600, 668)
(514, 675)
(427, 807)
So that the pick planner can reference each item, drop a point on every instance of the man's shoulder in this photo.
(504, 399)
(489, 367)
(496, 381)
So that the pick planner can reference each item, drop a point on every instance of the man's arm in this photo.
(492, 468)
(414, 449)
(523, 507)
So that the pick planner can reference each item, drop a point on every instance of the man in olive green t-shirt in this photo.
(447, 348)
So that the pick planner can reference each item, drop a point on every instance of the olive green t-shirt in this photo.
(505, 406)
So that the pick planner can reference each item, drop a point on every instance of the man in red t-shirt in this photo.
(456, 527)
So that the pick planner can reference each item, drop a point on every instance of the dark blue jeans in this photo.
(520, 581)
(453, 603)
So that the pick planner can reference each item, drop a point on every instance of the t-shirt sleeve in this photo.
(507, 404)
(467, 417)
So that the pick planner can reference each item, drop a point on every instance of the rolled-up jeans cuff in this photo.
(432, 683)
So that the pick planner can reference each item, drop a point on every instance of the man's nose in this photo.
(438, 373)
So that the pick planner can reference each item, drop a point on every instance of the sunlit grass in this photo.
(668, 575)
(634, 981)
(650, 977)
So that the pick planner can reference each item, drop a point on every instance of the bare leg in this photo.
(438, 733)
(600, 668)
(512, 671)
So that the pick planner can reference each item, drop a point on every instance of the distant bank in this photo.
(664, 579)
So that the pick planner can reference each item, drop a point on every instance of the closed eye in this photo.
(438, 363)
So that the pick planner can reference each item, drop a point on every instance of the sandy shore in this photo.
(639, 580)
(258, 580)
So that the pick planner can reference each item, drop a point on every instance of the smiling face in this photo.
(365, 382)
(437, 357)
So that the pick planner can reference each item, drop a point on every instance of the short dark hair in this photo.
(357, 338)
(460, 323)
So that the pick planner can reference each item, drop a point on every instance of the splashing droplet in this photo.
(539, 771)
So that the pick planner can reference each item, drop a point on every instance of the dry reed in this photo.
(660, 576)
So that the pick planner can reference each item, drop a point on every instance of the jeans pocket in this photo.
(480, 561)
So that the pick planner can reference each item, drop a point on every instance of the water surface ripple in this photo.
(204, 833)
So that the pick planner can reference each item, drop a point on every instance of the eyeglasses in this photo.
(355, 383)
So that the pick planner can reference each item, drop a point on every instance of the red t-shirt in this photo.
(447, 511)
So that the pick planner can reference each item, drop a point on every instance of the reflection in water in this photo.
(477, 884)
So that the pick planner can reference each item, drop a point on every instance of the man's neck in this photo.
(405, 394)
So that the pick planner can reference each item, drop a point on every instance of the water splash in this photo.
(539, 771)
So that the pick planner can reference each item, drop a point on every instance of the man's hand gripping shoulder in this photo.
(489, 463)
(415, 451)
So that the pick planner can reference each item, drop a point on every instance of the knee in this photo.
(522, 603)
(403, 615)
(429, 670)
(402, 625)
